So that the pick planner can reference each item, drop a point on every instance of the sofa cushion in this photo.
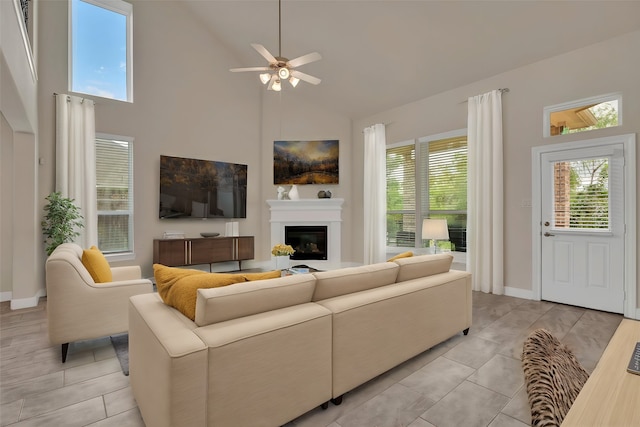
(423, 265)
(401, 255)
(353, 279)
(178, 287)
(231, 302)
(97, 265)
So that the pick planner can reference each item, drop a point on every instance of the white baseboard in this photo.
(5, 296)
(518, 293)
(17, 304)
(528, 294)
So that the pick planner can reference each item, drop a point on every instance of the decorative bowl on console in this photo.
(209, 234)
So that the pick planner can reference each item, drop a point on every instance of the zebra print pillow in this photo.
(553, 377)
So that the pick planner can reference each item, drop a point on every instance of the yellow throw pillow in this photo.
(262, 276)
(402, 255)
(178, 287)
(97, 265)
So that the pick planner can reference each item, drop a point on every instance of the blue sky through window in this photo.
(99, 51)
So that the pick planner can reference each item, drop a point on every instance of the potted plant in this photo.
(62, 218)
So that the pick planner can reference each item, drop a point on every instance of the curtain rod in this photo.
(373, 124)
(502, 90)
(69, 98)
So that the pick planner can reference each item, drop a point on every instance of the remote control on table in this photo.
(634, 363)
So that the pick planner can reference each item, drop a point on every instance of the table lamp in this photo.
(434, 229)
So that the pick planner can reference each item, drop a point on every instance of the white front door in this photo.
(582, 227)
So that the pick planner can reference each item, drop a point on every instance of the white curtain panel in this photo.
(485, 243)
(375, 194)
(76, 160)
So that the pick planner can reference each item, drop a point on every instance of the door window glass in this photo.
(581, 194)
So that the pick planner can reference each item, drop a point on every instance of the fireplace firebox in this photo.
(309, 242)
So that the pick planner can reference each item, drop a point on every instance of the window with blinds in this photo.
(401, 196)
(114, 186)
(581, 194)
(445, 175)
(427, 179)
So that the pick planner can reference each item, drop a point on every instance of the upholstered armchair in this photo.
(78, 308)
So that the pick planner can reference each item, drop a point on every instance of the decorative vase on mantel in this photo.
(293, 193)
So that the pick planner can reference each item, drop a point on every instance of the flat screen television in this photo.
(192, 188)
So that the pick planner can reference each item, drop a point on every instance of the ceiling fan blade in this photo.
(306, 77)
(237, 70)
(264, 52)
(304, 59)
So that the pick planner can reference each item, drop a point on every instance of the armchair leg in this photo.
(466, 331)
(65, 350)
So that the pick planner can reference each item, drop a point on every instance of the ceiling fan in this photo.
(281, 68)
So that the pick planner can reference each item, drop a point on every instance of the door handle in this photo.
(547, 234)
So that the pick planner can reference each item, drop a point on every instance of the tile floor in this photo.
(473, 380)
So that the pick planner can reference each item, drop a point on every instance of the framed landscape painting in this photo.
(305, 162)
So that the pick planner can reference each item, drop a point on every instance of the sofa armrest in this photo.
(167, 364)
(128, 272)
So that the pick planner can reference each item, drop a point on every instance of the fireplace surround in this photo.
(310, 214)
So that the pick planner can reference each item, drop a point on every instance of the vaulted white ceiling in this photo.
(381, 54)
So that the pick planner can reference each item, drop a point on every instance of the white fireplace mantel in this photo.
(326, 212)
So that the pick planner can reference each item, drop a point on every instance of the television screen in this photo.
(191, 188)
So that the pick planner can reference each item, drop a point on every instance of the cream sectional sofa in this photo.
(265, 352)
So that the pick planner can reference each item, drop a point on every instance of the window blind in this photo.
(401, 196)
(581, 194)
(445, 176)
(114, 195)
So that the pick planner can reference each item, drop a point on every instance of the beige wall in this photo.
(603, 68)
(6, 211)
(288, 117)
(21, 255)
(186, 104)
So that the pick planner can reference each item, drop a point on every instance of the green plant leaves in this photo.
(61, 221)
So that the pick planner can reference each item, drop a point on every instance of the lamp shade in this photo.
(435, 229)
(265, 77)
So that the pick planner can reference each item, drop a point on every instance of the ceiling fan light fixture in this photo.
(280, 68)
(265, 77)
(283, 73)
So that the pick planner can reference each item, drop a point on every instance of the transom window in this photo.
(427, 179)
(597, 112)
(100, 48)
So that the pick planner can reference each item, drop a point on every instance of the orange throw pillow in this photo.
(178, 287)
(407, 254)
(262, 276)
(97, 265)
